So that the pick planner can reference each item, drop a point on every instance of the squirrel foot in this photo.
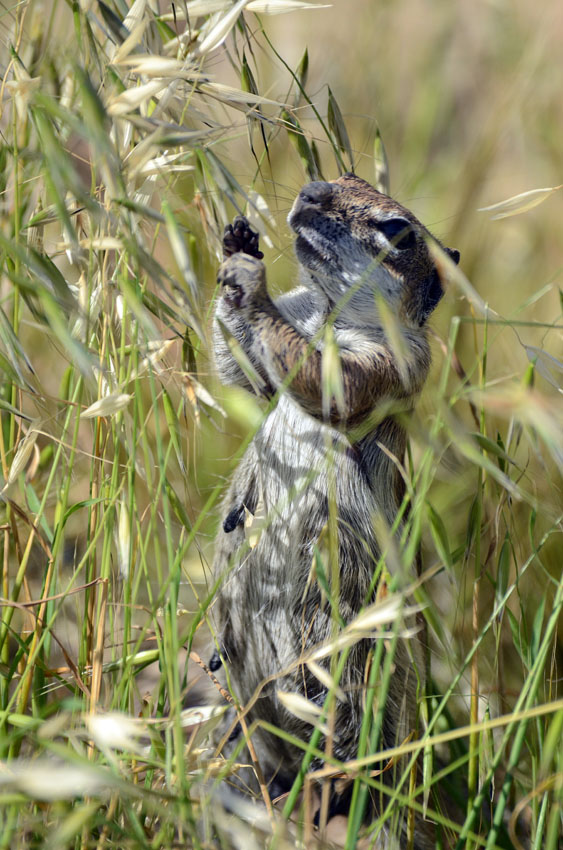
(240, 238)
(215, 662)
(234, 518)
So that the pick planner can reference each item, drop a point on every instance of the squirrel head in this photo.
(356, 243)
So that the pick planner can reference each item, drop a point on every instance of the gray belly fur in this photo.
(271, 607)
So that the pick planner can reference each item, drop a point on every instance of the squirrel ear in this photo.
(453, 254)
(398, 231)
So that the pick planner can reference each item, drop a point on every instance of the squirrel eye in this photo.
(398, 231)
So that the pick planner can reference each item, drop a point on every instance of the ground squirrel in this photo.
(361, 255)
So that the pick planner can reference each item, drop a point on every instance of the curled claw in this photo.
(232, 291)
(230, 243)
(234, 518)
(239, 237)
(215, 662)
(233, 295)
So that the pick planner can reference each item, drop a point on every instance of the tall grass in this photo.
(130, 137)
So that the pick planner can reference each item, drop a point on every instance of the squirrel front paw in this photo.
(240, 238)
(243, 279)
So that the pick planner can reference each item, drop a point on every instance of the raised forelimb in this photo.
(368, 369)
(231, 331)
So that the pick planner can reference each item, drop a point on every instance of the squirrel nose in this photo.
(316, 193)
